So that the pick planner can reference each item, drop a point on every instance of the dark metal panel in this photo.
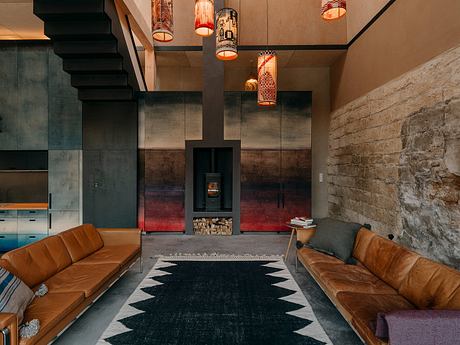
(8, 97)
(32, 69)
(110, 188)
(109, 125)
(213, 89)
(64, 113)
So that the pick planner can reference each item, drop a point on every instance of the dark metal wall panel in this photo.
(110, 164)
(32, 98)
(64, 108)
(8, 97)
(109, 125)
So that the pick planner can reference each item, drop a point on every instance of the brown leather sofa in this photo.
(77, 266)
(387, 278)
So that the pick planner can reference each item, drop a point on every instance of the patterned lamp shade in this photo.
(227, 34)
(162, 20)
(333, 9)
(267, 83)
(204, 17)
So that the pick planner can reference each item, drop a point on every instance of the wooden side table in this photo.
(302, 234)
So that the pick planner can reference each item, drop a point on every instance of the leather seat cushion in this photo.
(81, 241)
(35, 263)
(352, 278)
(112, 255)
(364, 308)
(49, 310)
(82, 278)
(310, 256)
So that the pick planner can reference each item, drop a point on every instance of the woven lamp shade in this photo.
(162, 20)
(204, 17)
(267, 78)
(227, 34)
(333, 9)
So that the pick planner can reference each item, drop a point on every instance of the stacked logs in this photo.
(213, 226)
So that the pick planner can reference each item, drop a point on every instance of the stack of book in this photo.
(304, 222)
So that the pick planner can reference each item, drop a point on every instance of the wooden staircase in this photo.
(88, 36)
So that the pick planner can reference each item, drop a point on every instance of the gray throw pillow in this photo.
(335, 237)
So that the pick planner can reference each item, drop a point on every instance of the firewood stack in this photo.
(213, 226)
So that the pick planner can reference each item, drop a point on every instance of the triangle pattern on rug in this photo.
(116, 327)
(312, 330)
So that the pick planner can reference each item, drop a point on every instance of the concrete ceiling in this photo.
(291, 21)
(17, 21)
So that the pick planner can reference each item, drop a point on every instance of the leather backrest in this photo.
(81, 241)
(362, 241)
(430, 285)
(386, 259)
(38, 261)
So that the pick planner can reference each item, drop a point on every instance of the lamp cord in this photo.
(267, 24)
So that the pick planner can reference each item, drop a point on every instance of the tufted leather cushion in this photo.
(82, 278)
(384, 258)
(430, 285)
(35, 263)
(120, 255)
(352, 278)
(81, 241)
(49, 310)
(362, 241)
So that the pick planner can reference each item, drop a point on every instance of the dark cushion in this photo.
(335, 237)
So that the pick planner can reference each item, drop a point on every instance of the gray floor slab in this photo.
(89, 327)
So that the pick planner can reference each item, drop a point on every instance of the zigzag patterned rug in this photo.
(216, 300)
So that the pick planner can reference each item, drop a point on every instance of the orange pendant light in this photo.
(204, 17)
(333, 9)
(227, 34)
(162, 20)
(267, 78)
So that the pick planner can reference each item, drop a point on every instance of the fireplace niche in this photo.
(213, 180)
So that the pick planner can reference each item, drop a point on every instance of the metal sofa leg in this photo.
(6, 336)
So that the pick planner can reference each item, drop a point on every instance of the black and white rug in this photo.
(216, 300)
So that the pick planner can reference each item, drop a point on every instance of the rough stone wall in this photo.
(394, 159)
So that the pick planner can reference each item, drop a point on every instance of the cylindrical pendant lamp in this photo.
(162, 20)
(227, 34)
(333, 9)
(267, 82)
(204, 17)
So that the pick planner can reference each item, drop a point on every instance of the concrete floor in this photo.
(90, 326)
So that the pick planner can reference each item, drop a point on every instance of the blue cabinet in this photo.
(21, 227)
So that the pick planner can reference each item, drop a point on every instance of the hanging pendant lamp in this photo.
(333, 9)
(162, 20)
(204, 17)
(267, 71)
(227, 34)
(267, 78)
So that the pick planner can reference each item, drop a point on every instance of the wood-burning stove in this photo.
(213, 191)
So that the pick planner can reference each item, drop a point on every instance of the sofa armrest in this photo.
(9, 329)
(423, 327)
(120, 236)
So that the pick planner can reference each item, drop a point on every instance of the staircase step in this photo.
(99, 29)
(114, 94)
(86, 48)
(99, 80)
(47, 9)
(90, 65)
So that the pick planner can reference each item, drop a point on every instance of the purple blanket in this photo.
(424, 327)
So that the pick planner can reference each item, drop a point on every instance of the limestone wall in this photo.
(394, 159)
